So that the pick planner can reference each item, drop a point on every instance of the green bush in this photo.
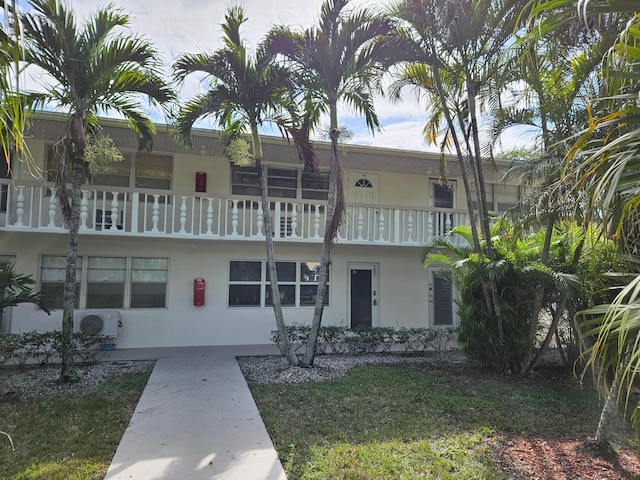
(332, 339)
(41, 347)
(339, 339)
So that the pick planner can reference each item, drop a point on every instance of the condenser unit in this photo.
(98, 322)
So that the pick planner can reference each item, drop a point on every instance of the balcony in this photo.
(31, 206)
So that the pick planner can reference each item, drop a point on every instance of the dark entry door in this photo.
(361, 297)
(441, 299)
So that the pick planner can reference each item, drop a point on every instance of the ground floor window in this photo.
(250, 283)
(108, 282)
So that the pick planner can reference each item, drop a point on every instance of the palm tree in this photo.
(17, 288)
(555, 79)
(13, 114)
(93, 69)
(604, 159)
(456, 52)
(245, 94)
(339, 60)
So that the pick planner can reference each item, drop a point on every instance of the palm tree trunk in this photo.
(608, 417)
(335, 208)
(537, 305)
(283, 342)
(459, 152)
(68, 372)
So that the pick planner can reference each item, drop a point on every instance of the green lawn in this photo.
(408, 422)
(67, 437)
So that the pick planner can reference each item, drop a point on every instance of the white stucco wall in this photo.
(401, 288)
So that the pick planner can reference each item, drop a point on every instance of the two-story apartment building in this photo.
(172, 242)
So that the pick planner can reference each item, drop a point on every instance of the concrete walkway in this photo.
(196, 419)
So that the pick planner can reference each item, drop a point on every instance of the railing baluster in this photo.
(234, 219)
(316, 221)
(380, 225)
(209, 216)
(294, 220)
(84, 210)
(183, 214)
(20, 206)
(53, 206)
(260, 221)
(155, 215)
(114, 211)
(359, 225)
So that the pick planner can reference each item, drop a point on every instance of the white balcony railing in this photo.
(117, 211)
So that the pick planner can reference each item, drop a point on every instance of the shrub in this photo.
(332, 339)
(40, 347)
(340, 339)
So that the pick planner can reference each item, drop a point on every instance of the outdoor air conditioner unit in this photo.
(97, 322)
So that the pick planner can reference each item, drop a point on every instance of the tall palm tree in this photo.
(340, 61)
(555, 79)
(93, 68)
(246, 92)
(456, 51)
(604, 159)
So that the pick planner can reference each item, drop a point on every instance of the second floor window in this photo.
(282, 183)
(135, 170)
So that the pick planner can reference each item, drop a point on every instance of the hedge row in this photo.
(340, 339)
(41, 347)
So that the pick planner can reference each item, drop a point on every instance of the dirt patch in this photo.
(560, 458)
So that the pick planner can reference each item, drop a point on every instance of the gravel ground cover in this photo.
(276, 370)
(36, 381)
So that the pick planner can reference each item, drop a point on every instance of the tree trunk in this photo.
(68, 371)
(333, 200)
(460, 155)
(553, 329)
(283, 344)
(608, 418)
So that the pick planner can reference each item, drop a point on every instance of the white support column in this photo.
(360, 224)
(410, 228)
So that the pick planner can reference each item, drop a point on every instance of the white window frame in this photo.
(244, 181)
(82, 279)
(264, 284)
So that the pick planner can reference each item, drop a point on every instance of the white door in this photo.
(363, 295)
(363, 188)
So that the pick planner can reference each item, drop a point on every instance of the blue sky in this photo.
(189, 26)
